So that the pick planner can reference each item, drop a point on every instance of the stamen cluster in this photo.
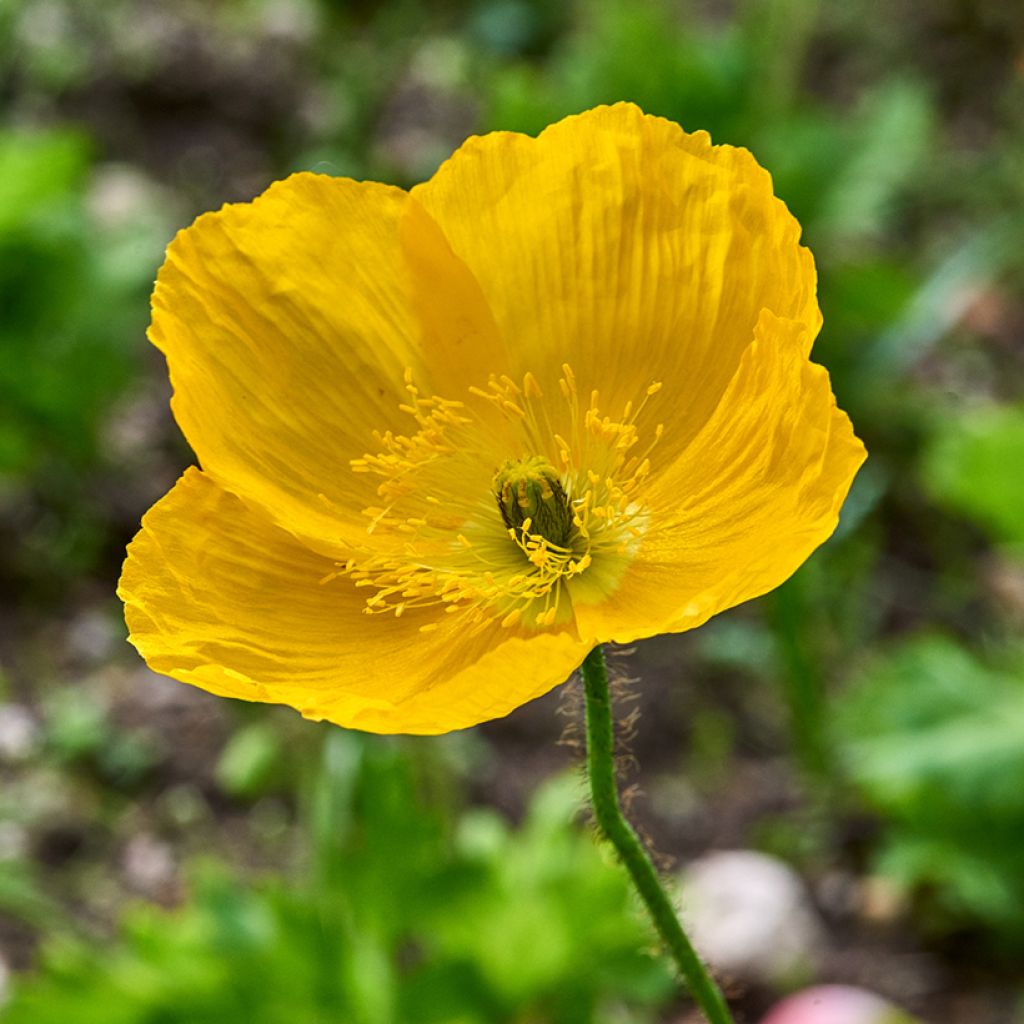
(461, 538)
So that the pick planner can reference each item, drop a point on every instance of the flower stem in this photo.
(605, 797)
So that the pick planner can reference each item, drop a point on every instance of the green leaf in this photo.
(934, 741)
(973, 466)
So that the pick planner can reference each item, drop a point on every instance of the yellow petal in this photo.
(218, 596)
(750, 498)
(288, 324)
(631, 250)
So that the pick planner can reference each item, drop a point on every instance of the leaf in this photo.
(934, 741)
(973, 466)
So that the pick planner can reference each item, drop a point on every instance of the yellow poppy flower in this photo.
(452, 438)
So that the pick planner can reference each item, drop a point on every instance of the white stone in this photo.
(148, 865)
(836, 1004)
(5, 982)
(19, 733)
(751, 917)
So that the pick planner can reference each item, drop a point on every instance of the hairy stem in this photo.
(605, 796)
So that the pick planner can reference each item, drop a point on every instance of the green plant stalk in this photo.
(605, 796)
(801, 679)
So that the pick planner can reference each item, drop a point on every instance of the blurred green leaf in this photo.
(38, 171)
(943, 297)
(934, 741)
(251, 761)
(407, 927)
(78, 250)
(76, 725)
(973, 466)
(887, 147)
(649, 54)
(23, 895)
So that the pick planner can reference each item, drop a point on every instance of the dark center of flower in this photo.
(532, 500)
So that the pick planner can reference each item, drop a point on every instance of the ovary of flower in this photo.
(470, 551)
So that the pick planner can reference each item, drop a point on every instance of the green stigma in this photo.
(529, 492)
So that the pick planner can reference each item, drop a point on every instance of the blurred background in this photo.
(835, 773)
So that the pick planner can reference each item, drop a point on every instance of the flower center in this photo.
(573, 512)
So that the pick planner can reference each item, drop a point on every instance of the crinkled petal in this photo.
(749, 499)
(635, 252)
(218, 596)
(288, 324)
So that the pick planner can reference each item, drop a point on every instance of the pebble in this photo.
(19, 733)
(836, 1004)
(751, 916)
(148, 866)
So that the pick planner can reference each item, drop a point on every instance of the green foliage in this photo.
(974, 467)
(398, 916)
(69, 290)
(934, 740)
(251, 761)
(891, 140)
(78, 250)
(81, 736)
(42, 259)
(643, 53)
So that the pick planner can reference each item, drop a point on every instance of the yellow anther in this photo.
(531, 389)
